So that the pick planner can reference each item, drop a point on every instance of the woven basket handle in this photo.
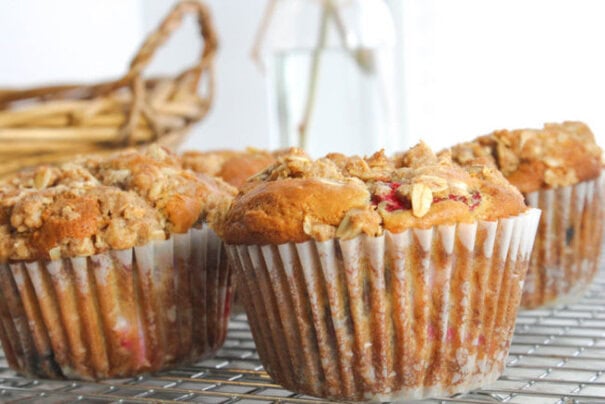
(191, 76)
(170, 24)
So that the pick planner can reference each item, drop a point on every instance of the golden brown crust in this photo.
(101, 203)
(298, 199)
(531, 159)
(69, 217)
(238, 169)
(235, 167)
(277, 211)
(208, 162)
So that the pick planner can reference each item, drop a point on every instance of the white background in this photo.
(466, 66)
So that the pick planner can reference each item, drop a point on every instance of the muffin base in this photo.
(566, 255)
(118, 313)
(402, 316)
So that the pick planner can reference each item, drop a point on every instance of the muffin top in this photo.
(298, 199)
(233, 166)
(100, 203)
(533, 159)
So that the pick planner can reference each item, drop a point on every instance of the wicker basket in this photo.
(52, 124)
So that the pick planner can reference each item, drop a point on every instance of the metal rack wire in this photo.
(557, 356)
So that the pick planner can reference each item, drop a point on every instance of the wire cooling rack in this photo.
(557, 356)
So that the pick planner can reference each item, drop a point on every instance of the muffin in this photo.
(110, 267)
(233, 166)
(366, 282)
(558, 169)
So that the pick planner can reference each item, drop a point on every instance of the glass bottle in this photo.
(330, 75)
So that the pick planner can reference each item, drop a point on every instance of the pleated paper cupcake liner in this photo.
(565, 258)
(237, 304)
(118, 313)
(402, 316)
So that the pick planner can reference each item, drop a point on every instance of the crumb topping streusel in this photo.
(100, 203)
(531, 159)
(297, 199)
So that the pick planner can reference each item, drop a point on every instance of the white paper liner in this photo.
(118, 313)
(566, 254)
(402, 316)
